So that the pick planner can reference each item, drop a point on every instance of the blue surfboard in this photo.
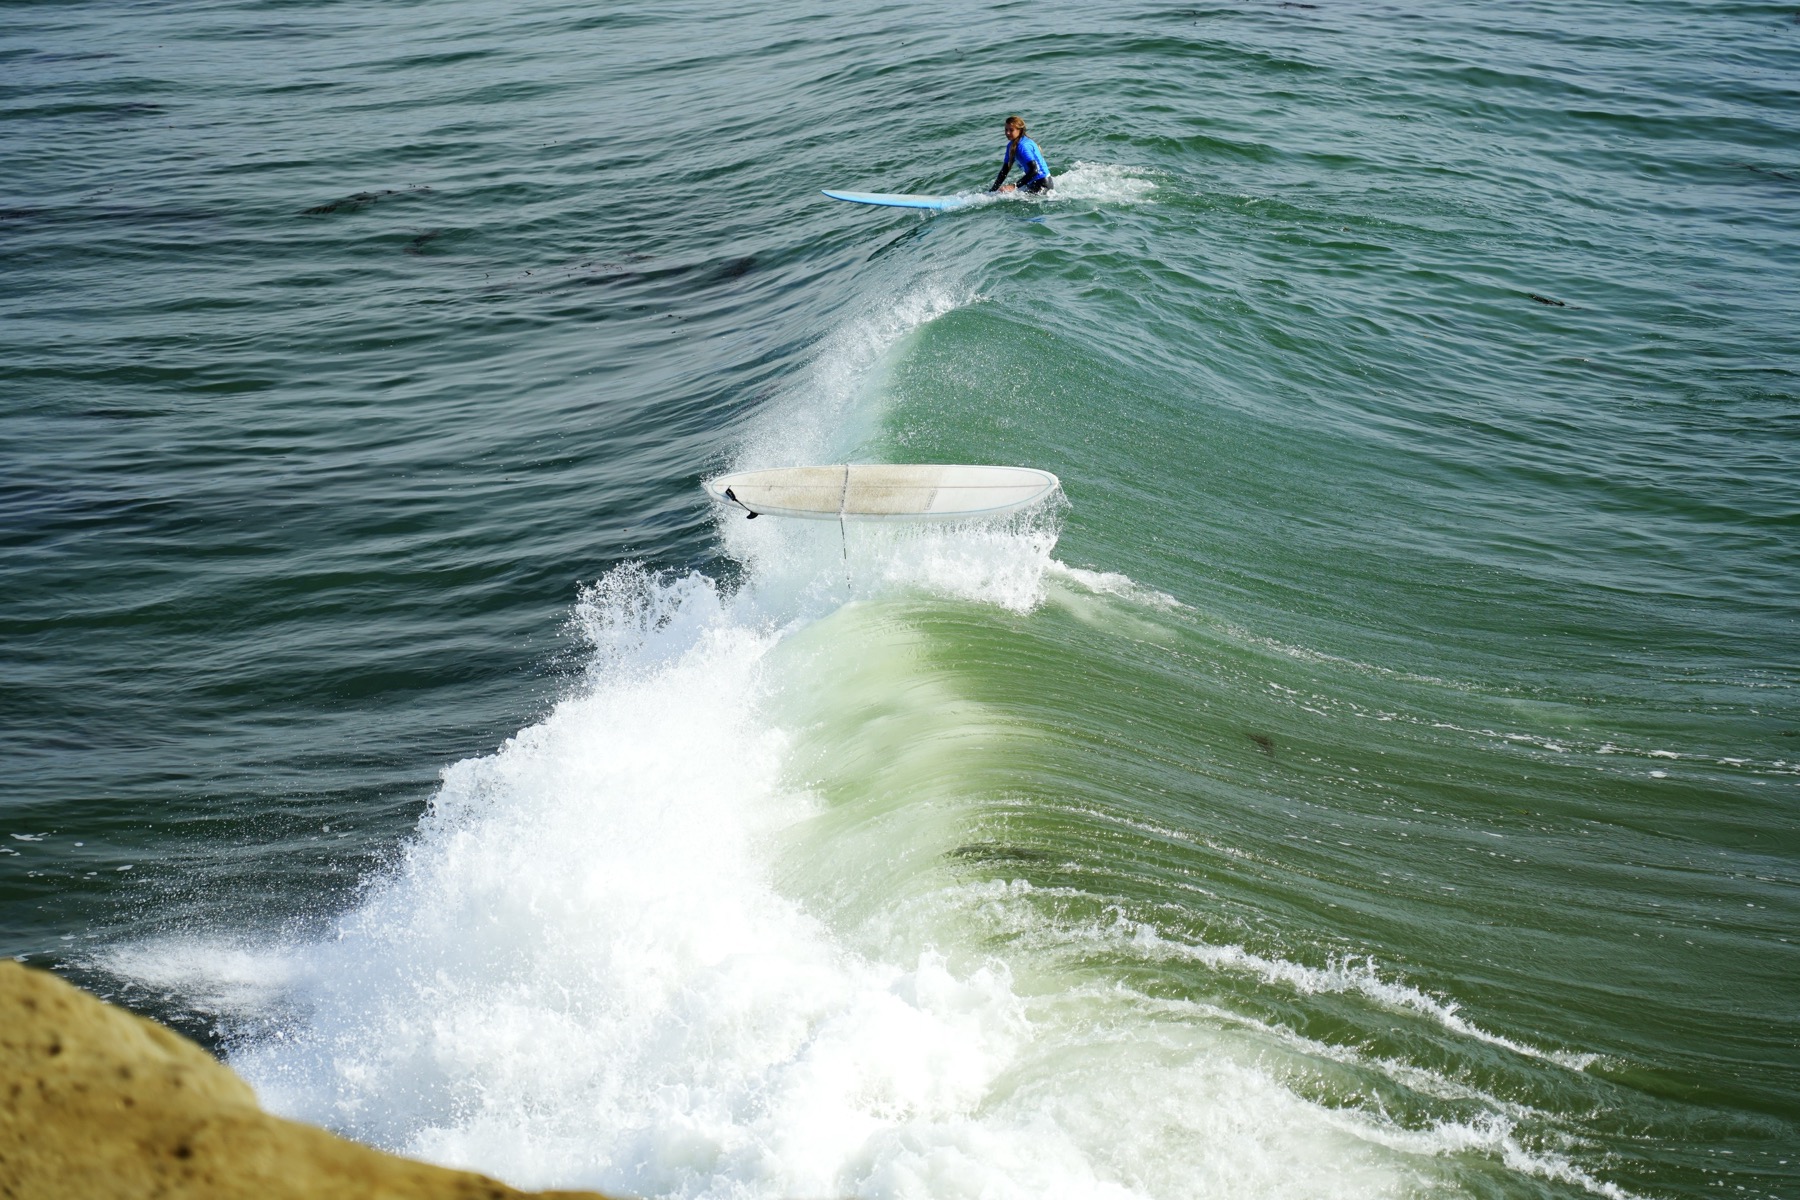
(902, 200)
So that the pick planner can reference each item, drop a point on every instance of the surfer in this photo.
(1023, 153)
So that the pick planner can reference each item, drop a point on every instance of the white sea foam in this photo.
(1106, 182)
(1358, 975)
(1490, 1135)
(1112, 583)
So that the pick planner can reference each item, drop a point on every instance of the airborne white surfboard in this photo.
(885, 491)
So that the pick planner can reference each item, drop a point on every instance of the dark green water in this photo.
(1381, 779)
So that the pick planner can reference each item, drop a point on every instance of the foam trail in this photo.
(1112, 583)
(1106, 183)
(1342, 975)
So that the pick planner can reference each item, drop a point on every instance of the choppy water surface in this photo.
(1381, 779)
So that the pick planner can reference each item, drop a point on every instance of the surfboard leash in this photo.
(843, 537)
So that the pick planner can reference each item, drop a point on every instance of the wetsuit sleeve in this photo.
(1034, 166)
(1012, 148)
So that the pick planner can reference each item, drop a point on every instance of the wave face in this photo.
(1376, 778)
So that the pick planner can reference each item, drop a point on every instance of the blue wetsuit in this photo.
(1025, 155)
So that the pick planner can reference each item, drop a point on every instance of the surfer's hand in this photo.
(1009, 188)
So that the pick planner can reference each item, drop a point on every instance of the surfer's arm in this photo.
(1005, 167)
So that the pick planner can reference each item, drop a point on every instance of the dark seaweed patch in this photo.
(358, 200)
(735, 268)
(1264, 742)
(1770, 172)
(347, 204)
(1546, 300)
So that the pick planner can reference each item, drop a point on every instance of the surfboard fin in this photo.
(732, 496)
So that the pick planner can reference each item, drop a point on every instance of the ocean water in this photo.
(1378, 777)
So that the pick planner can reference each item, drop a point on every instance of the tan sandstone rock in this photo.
(99, 1104)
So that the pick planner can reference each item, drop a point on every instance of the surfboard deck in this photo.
(903, 200)
(886, 491)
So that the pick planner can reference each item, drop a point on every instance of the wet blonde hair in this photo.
(1017, 123)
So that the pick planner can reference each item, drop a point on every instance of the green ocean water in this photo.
(1380, 778)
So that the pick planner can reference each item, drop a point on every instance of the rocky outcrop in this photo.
(100, 1104)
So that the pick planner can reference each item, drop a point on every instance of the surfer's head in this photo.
(1015, 128)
